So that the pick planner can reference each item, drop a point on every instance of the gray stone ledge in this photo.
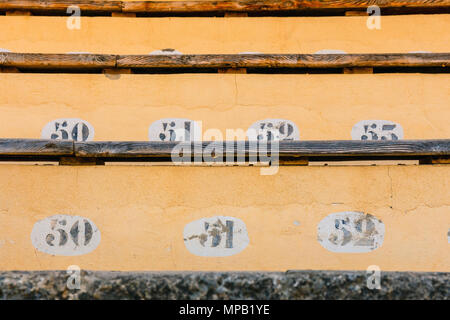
(223, 285)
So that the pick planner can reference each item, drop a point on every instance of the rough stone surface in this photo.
(223, 285)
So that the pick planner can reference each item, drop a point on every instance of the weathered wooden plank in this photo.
(56, 61)
(285, 60)
(202, 6)
(271, 5)
(164, 150)
(123, 149)
(220, 61)
(220, 7)
(61, 5)
(35, 147)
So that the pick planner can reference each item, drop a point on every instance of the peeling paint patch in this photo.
(174, 129)
(218, 236)
(68, 129)
(65, 235)
(377, 130)
(350, 232)
(273, 130)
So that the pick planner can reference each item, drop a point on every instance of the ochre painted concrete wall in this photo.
(226, 35)
(141, 212)
(322, 106)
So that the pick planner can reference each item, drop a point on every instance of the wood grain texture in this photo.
(285, 60)
(56, 61)
(342, 148)
(32, 147)
(290, 152)
(272, 5)
(61, 5)
(202, 6)
(221, 61)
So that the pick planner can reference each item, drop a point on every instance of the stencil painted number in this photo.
(65, 235)
(216, 237)
(174, 130)
(273, 130)
(68, 129)
(350, 232)
(377, 130)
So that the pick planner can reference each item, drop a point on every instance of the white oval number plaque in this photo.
(216, 236)
(273, 130)
(174, 129)
(68, 129)
(352, 232)
(65, 235)
(377, 130)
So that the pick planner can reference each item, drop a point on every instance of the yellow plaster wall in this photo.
(225, 35)
(322, 106)
(141, 212)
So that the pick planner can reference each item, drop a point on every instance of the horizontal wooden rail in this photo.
(80, 152)
(217, 8)
(56, 61)
(32, 147)
(336, 148)
(24, 62)
(285, 60)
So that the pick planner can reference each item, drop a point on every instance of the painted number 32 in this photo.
(350, 232)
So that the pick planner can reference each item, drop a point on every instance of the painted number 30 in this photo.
(65, 235)
(68, 129)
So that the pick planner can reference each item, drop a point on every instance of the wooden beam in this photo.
(33, 147)
(60, 6)
(267, 6)
(289, 152)
(202, 7)
(284, 60)
(289, 149)
(57, 61)
(234, 63)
